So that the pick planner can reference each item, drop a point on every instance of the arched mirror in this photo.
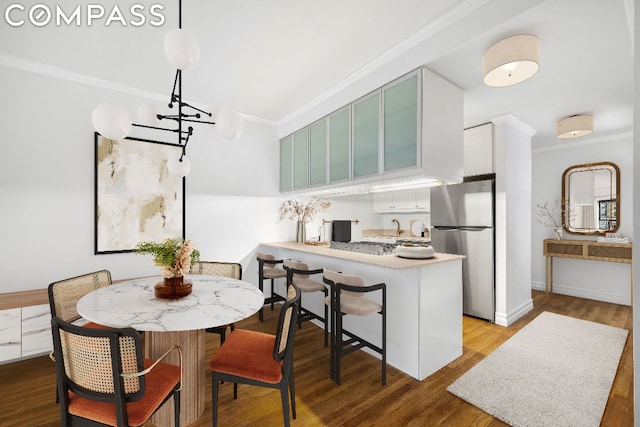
(591, 198)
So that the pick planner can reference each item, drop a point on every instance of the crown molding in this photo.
(58, 73)
(515, 122)
(571, 144)
(442, 22)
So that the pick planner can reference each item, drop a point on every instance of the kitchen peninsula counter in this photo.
(424, 302)
(387, 261)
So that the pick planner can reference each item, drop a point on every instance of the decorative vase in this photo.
(558, 231)
(172, 288)
(301, 232)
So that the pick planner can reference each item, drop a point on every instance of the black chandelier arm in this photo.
(184, 104)
(164, 129)
(174, 97)
(199, 121)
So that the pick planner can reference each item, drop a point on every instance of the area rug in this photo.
(556, 371)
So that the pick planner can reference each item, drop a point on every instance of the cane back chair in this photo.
(232, 270)
(103, 379)
(260, 359)
(64, 295)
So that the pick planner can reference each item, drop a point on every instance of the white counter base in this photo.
(424, 307)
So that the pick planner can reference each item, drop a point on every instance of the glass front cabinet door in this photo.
(301, 159)
(400, 106)
(286, 163)
(366, 135)
(339, 144)
(318, 153)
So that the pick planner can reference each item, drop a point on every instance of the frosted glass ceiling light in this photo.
(511, 61)
(575, 126)
(182, 51)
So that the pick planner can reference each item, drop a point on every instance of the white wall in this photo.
(47, 185)
(589, 279)
(512, 148)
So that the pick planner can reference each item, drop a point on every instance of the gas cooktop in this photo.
(372, 248)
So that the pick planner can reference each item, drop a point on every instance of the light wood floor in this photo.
(27, 388)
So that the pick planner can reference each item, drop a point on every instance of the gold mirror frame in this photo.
(587, 218)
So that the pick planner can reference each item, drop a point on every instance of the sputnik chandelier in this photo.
(182, 51)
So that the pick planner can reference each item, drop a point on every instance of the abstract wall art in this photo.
(136, 198)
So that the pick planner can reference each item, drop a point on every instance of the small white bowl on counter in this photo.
(415, 251)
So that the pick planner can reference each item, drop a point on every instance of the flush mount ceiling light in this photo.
(575, 126)
(182, 51)
(511, 61)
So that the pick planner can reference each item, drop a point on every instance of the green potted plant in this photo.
(174, 257)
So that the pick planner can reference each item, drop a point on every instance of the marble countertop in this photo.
(214, 301)
(389, 261)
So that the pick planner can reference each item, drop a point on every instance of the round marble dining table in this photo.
(214, 301)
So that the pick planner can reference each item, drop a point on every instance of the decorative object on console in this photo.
(182, 51)
(550, 217)
(511, 61)
(296, 211)
(574, 126)
(174, 257)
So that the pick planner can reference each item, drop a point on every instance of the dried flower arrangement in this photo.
(549, 214)
(174, 257)
(296, 211)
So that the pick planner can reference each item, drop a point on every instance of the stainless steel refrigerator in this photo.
(462, 221)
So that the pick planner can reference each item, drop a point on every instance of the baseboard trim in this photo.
(584, 293)
(503, 319)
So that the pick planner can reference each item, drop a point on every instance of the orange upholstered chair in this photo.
(232, 270)
(260, 359)
(267, 270)
(103, 379)
(347, 298)
(64, 295)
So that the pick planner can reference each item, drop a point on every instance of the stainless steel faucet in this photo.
(397, 226)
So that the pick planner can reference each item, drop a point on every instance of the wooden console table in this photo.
(587, 250)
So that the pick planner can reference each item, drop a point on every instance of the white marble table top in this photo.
(214, 301)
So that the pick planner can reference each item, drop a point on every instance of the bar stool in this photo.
(347, 297)
(298, 274)
(267, 270)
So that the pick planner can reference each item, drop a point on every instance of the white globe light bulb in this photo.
(148, 114)
(229, 124)
(181, 49)
(179, 167)
(112, 121)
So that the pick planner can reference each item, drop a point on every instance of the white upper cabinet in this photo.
(415, 200)
(478, 150)
(411, 127)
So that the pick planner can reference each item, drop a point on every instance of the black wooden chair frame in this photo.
(274, 296)
(119, 398)
(304, 314)
(286, 384)
(354, 342)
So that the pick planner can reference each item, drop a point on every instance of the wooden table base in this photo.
(193, 376)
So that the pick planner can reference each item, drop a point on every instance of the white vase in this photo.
(301, 232)
(558, 232)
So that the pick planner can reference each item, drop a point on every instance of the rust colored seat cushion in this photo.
(248, 354)
(159, 383)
